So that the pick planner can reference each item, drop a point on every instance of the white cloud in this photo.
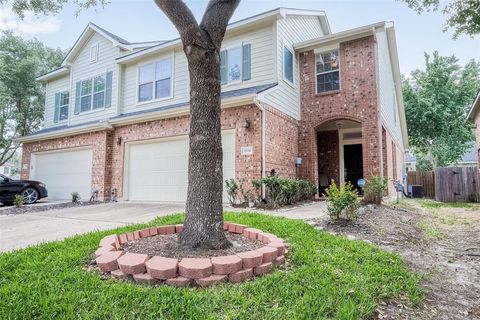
(31, 24)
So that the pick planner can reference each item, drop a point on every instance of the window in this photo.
(287, 64)
(86, 95)
(155, 80)
(235, 64)
(94, 53)
(94, 93)
(98, 92)
(63, 106)
(327, 71)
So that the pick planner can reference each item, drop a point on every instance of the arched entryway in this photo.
(340, 153)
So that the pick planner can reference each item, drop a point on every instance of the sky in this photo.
(141, 20)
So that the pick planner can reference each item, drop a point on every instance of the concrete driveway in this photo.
(22, 230)
(19, 231)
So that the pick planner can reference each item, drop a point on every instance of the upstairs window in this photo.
(235, 64)
(287, 64)
(327, 71)
(155, 80)
(61, 106)
(94, 93)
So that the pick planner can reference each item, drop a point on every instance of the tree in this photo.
(436, 103)
(21, 96)
(464, 15)
(203, 225)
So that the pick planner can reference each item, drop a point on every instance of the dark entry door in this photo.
(353, 160)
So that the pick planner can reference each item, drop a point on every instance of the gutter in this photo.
(97, 126)
(263, 142)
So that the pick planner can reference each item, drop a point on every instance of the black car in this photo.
(30, 190)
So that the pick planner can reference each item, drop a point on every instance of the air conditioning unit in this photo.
(415, 191)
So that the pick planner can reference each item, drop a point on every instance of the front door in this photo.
(353, 160)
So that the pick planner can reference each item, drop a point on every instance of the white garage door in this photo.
(158, 171)
(64, 172)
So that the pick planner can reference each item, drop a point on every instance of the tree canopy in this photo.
(21, 96)
(463, 15)
(437, 100)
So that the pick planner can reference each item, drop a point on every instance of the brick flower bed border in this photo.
(189, 271)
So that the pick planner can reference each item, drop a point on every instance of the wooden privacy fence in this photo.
(448, 184)
(425, 179)
(457, 184)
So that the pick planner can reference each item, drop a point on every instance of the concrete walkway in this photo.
(19, 231)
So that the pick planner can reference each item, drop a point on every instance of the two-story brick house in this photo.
(117, 113)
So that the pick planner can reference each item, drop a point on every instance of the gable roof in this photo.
(475, 107)
(264, 16)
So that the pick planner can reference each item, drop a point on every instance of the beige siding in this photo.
(52, 87)
(262, 69)
(291, 30)
(83, 69)
(386, 90)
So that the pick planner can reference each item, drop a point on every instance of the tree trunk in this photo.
(203, 225)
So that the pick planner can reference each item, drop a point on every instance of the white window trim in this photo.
(235, 46)
(64, 105)
(172, 80)
(94, 58)
(227, 49)
(91, 99)
(318, 51)
(289, 48)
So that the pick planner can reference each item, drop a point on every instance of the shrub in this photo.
(18, 201)
(273, 186)
(284, 191)
(342, 202)
(75, 197)
(257, 187)
(232, 190)
(375, 189)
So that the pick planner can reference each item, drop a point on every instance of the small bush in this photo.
(257, 187)
(342, 202)
(232, 190)
(284, 191)
(375, 189)
(75, 197)
(18, 201)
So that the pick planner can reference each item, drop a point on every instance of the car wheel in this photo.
(30, 195)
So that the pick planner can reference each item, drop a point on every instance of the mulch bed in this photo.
(168, 246)
(47, 207)
(449, 264)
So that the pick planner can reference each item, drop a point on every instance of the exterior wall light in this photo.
(119, 141)
(246, 123)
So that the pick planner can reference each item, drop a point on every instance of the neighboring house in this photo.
(10, 169)
(468, 159)
(117, 113)
(474, 115)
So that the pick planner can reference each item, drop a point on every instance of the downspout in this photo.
(377, 76)
(263, 142)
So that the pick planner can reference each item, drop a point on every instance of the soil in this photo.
(40, 207)
(167, 246)
(442, 244)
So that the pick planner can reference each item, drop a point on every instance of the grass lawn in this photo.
(328, 277)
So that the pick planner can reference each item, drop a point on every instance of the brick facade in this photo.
(356, 100)
(281, 143)
(328, 158)
(108, 155)
(101, 144)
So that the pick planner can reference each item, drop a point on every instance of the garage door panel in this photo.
(64, 172)
(158, 171)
